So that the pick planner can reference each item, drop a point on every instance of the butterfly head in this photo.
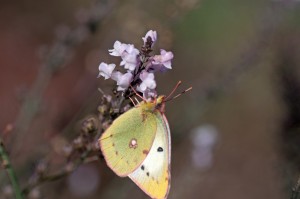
(155, 104)
(160, 103)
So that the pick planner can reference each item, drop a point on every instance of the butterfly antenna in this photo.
(137, 94)
(179, 94)
(174, 89)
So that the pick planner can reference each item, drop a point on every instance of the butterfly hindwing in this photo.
(127, 142)
(153, 175)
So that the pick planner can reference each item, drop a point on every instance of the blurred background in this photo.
(235, 135)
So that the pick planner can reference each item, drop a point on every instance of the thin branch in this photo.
(10, 171)
(83, 151)
(60, 174)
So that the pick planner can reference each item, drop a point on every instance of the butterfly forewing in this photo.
(153, 175)
(127, 142)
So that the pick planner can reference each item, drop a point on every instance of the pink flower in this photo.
(163, 59)
(148, 81)
(155, 67)
(130, 59)
(106, 70)
(133, 59)
(149, 93)
(152, 34)
(123, 80)
(131, 49)
(118, 50)
(129, 62)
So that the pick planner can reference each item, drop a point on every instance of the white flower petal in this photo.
(145, 75)
(106, 70)
(120, 88)
(148, 94)
(118, 50)
(116, 75)
(130, 49)
(142, 87)
(168, 64)
(148, 81)
(124, 80)
(129, 61)
(163, 59)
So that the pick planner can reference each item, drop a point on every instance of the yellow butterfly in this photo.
(138, 145)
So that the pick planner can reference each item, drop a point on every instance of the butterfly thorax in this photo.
(156, 104)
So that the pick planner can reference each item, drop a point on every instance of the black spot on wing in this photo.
(160, 149)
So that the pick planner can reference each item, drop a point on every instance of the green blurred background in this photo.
(236, 135)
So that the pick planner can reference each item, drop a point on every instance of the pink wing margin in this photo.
(169, 147)
(168, 136)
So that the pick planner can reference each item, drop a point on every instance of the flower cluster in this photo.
(139, 65)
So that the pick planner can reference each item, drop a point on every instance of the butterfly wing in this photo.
(153, 175)
(127, 142)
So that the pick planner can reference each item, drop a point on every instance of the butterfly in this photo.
(138, 145)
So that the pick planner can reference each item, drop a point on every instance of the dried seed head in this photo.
(102, 109)
(96, 146)
(78, 143)
(89, 125)
(105, 124)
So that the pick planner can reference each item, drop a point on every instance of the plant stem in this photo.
(60, 174)
(10, 171)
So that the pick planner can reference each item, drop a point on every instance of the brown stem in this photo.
(60, 174)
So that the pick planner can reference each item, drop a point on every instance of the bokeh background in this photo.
(236, 135)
